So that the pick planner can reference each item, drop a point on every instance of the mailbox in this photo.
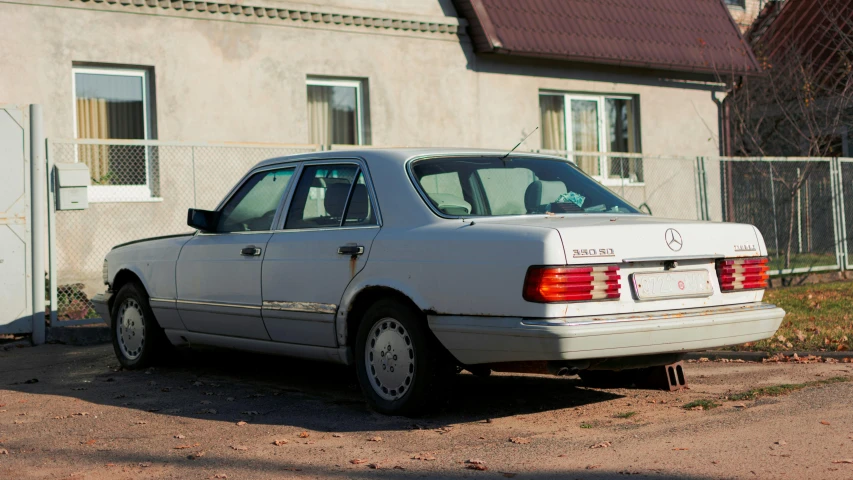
(72, 183)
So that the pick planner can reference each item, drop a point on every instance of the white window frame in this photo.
(359, 99)
(603, 131)
(118, 193)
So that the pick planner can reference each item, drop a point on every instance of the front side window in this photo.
(114, 103)
(486, 186)
(252, 208)
(330, 196)
(336, 112)
(594, 123)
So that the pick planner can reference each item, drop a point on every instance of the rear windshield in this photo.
(484, 186)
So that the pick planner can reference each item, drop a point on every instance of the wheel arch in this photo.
(124, 276)
(357, 300)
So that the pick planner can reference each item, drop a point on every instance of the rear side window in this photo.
(330, 196)
(518, 185)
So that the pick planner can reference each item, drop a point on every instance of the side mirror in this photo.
(204, 220)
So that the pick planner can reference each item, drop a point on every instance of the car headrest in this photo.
(336, 199)
(540, 193)
(450, 204)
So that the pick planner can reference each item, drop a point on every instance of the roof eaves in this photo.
(486, 24)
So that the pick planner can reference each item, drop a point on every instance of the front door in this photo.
(325, 242)
(219, 273)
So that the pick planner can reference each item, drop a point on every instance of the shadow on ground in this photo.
(282, 391)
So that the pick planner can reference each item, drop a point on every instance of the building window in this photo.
(736, 3)
(594, 123)
(336, 112)
(114, 103)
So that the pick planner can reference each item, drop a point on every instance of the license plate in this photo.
(687, 283)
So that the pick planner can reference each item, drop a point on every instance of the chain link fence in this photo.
(138, 190)
(142, 189)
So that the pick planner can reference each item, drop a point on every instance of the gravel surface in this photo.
(85, 418)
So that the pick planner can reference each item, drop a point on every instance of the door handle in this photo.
(251, 251)
(350, 250)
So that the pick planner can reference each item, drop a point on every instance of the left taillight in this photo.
(571, 284)
(737, 274)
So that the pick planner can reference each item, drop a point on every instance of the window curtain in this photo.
(332, 115)
(92, 123)
(622, 131)
(585, 133)
(99, 118)
(319, 115)
(553, 121)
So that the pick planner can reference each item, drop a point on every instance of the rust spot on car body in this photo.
(353, 262)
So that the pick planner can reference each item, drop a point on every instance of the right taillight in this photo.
(571, 284)
(737, 274)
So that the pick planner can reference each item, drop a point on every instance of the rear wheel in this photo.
(137, 339)
(397, 359)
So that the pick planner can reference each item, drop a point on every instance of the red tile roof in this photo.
(681, 35)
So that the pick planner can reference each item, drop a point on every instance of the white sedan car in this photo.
(411, 264)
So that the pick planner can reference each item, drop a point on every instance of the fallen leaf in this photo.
(781, 442)
(780, 338)
(601, 445)
(841, 347)
(182, 447)
(141, 422)
(195, 455)
(358, 461)
(241, 423)
(239, 447)
(824, 422)
(219, 475)
(88, 442)
(304, 435)
(740, 405)
(475, 461)
(179, 436)
(424, 456)
(279, 443)
(144, 464)
(3, 451)
(337, 435)
(398, 467)
(476, 466)
(592, 467)
(519, 440)
(374, 466)
(81, 414)
(847, 460)
(374, 439)
(681, 449)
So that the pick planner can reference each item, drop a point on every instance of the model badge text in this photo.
(745, 248)
(593, 252)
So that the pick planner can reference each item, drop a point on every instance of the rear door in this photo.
(324, 242)
(219, 274)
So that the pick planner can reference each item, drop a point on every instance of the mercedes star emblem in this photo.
(673, 239)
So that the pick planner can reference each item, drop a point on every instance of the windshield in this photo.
(483, 186)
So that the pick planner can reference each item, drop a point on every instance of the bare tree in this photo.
(802, 100)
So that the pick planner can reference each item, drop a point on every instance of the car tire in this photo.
(398, 360)
(138, 341)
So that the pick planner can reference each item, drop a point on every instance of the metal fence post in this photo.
(51, 237)
(37, 192)
(838, 221)
(773, 203)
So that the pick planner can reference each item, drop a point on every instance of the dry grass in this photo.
(819, 318)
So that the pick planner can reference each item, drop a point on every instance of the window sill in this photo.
(126, 200)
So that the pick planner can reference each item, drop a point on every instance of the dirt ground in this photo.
(85, 418)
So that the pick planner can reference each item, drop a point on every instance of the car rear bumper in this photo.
(474, 340)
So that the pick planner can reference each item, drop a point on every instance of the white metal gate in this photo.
(15, 222)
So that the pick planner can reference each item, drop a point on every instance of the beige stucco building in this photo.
(377, 72)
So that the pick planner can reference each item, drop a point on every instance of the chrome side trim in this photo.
(308, 307)
(210, 304)
(162, 300)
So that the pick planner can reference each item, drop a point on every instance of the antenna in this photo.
(519, 143)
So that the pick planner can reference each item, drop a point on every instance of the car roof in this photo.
(399, 155)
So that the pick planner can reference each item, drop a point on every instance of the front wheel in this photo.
(136, 336)
(396, 358)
